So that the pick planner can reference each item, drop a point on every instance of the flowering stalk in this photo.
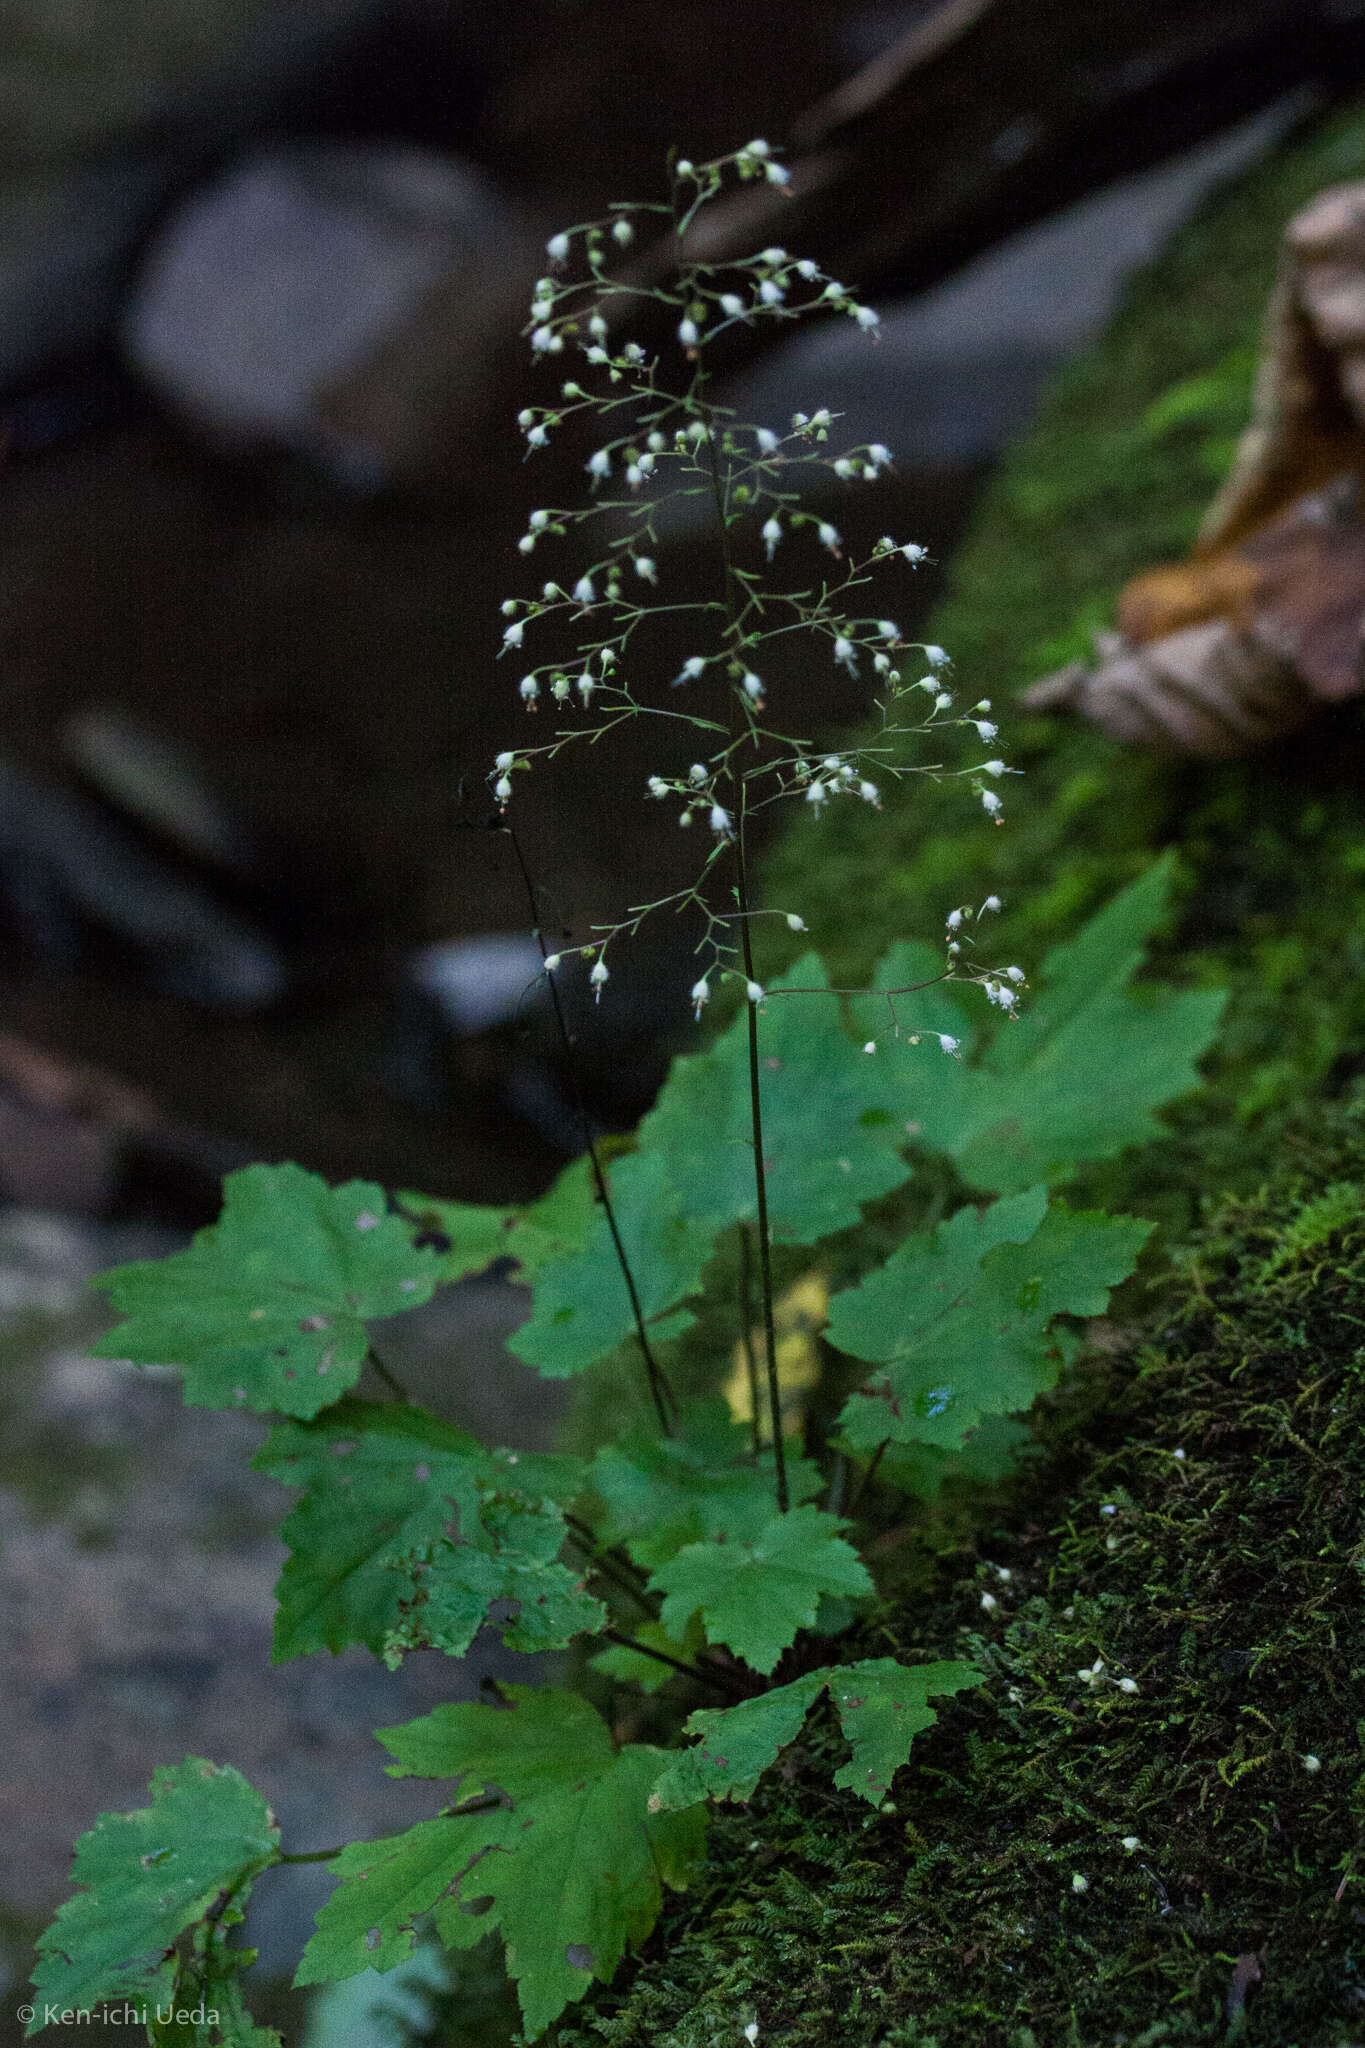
(722, 757)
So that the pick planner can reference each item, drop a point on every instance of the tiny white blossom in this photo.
(937, 657)
(529, 689)
(694, 666)
(542, 340)
(538, 521)
(870, 794)
(688, 333)
(817, 794)
(986, 729)
(508, 607)
(525, 417)
(871, 1045)
(502, 789)
(657, 786)
(880, 455)
(732, 304)
(754, 991)
(990, 803)
(512, 635)
(753, 687)
(834, 290)
(751, 2033)
(888, 629)
(683, 167)
(696, 774)
(991, 903)
(843, 467)
(1312, 1764)
(947, 1043)
(720, 819)
(758, 148)
(1079, 1883)
(541, 308)
(599, 463)
(795, 923)
(1015, 973)
(596, 354)
(526, 543)
(644, 566)
(598, 976)
(771, 293)
(768, 441)
(943, 700)
(559, 689)
(1177, 1454)
(953, 920)
(557, 248)
(583, 591)
(1131, 1842)
(1128, 1685)
(701, 991)
(777, 174)
(913, 552)
(829, 536)
(505, 761)
(989, 1603)
(537, 437)
(867, 318)
(623, 232)
(551, 962)
(633, 477)
(1109, 1508)
(772, 534)
(772, 254)
(656, 444)
(882, 664)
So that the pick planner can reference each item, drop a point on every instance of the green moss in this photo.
(1210, 1555)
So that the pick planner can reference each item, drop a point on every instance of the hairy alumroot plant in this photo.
(694, 1554)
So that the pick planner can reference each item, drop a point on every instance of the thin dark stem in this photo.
(615, 1635)
(733, 633)
(608, 1567)
(861, 1488)
(394, 1385)
(665, 1401)
(746, 1334)
(311, 1855)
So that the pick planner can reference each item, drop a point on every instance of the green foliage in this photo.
(958, 1323)
(267, 1309)
(145, 1878)
(570, 1869)
(882, 1706)
(755, 1597)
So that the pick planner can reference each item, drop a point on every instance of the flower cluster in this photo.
(723, 753)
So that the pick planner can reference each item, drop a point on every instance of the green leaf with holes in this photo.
(267, 1308)
(145, 1878)
(756, 1596)
(570, 1869)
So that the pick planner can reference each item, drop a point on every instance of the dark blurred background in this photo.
(263, 264)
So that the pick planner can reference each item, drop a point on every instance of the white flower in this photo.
(805, 268)
(720, 819)
(772, 534)
(694, 666)
(1015, 974)
(871, 1045)
(696, 774)
(657, 786)
(683, 167)
(888, 629)
(753, 687)
(777, 174)
(1177, 1454)
(768, 441)
(758, 148)
(559, 689)
(645, 465)
(754, 991)
(557, 248)
(526, 543)
(991, 903)
(586, 686)
(525, 417)
(835, 291)
(866, 318)
(795, 923)
(751, 2033)
(504, 762)
(947, 1043)
(623, 232)
(596, 354)
(688, 333)
(771, 293)
(599, 464)
(508, 607)
(989, 1603)
(598, 976)
(829, 536)
(843, 467)
(537, 437)
(502, 789)
(656, 444)
(701, 990)
(986, 730)
(1079, 1883)
(529, 689)
(879, 455)
(551, 962)
(990, 803)
(1131, 1842)
(870, 794)
(1128, 1685)
(583, 591)
(772, 254)
(511, 636)
(913, 552)
(943, 700)
(817, 794)
(954, 920)
(644, 566)
(633, 477)
(1312, 1764)
(732, 304)
(542, 340)
(937, 657)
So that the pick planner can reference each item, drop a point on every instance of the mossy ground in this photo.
(1226, 1583)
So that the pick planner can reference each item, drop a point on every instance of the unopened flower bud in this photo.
(772, 534)
(551, 962)
(701, 991)
(688, 333)
(529, 690)
(599, 463)
(829, 536)
(502, 788)
(768, 441)
(754, 991)
(598, 977)
(732, 305)
(795, 923)
(720, 818)
(583, 591)
(557, 248)
(948, 1043)
(622, 232)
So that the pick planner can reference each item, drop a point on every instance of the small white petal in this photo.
(557, 248)
(754, 991)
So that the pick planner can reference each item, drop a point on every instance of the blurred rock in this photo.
(346, 302)
(66, 870)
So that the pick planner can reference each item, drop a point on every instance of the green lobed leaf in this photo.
(831, 1131)
(958, 1322)
(571, 1871)
(882, 1707)
(1081, 1071)
(145, 1878)
(267, 1308)
(383, 1481)
(511, 1556)
(756, 1596)
(658, 1493)
(536, 1235)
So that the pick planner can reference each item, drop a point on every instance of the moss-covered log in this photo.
(1163, 1848)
